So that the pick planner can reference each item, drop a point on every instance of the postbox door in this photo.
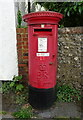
(43, 60)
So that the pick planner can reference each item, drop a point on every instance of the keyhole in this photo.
(53, 56)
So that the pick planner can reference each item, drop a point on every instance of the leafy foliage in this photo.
(24, 113)
(72, 11)
(14, 85)
(66, 93)
(19, 18)
(21, 97)
(3, 112)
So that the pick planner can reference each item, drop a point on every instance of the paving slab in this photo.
(64, 110)
(8, 115)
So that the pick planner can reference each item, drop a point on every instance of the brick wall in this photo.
(69, 55)
(22, 50)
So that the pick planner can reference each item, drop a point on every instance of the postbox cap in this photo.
(43, 17)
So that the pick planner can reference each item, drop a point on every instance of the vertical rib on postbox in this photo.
(42, 39)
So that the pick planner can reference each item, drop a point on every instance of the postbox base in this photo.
(42, 98)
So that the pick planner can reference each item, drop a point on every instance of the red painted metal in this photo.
(42, 31)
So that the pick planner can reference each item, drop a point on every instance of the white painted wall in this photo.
(8, 50)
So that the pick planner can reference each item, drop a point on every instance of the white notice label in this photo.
(42, 44)
(42, 54)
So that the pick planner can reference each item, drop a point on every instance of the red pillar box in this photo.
(42, 43)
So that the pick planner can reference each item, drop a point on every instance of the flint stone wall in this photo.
(69, 55)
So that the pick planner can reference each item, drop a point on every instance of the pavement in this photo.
(58, 110)
(61, 110)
